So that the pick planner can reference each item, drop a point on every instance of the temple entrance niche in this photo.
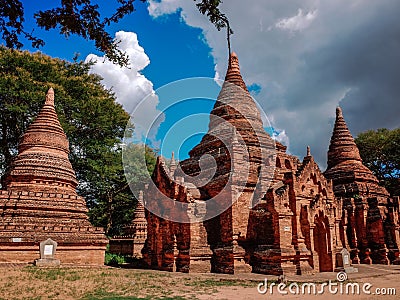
(322, 244)
(305, 227)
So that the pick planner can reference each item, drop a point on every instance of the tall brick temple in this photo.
(286, 217)
(38, 199)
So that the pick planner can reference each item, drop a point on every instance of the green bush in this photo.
(112, 259)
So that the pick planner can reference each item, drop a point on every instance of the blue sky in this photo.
(302, 58)
(176, 51)
(166, 40)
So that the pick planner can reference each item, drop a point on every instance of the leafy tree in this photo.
(80, 17)
(115, 208)
(220, 20)
(380, 151)
(89, 115)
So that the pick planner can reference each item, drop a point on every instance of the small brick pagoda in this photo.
(131, 242)
(370, 216)
(38, 199)
(280, 215)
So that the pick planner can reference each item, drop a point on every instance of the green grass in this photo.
(46, 274)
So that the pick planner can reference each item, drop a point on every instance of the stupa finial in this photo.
(50, 97)
(339, 112)
(233, 74)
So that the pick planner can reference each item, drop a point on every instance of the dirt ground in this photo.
(18, 282)
(387, 281)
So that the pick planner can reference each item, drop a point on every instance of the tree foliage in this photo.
(210, 8)
(80, 17)
(116, 207)
(83, 18)
(380, 151)
(89, 115)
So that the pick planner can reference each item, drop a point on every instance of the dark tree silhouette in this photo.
(220, 20)
(82, 18)
(380, 152)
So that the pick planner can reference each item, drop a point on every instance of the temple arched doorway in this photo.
(322, 242)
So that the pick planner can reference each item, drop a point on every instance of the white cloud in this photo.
(217, 76)
(157, 8)
(298, 22)
(281, 137)
(129, 85)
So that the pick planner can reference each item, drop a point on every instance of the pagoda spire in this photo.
(139, 225)
(42, 158)
(236, 106)
(342, 147)
(233, 74)
(50, 97)
(345, 165)
(139, 215)
(234, 113)
(172, 166)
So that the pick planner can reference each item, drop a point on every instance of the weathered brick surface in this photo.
(284, 215)
(39, 199)
(369, 217)
(290, 229)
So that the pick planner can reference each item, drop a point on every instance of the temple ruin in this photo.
(277, 214)
(131, 242)
(285, 216)
(38, 199)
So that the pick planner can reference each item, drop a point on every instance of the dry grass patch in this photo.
(105, 283)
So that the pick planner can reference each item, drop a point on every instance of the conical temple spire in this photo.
(139, 214)
(139, 222)
(235, 119)
(345, 166)
(233, 74)
(172, 165)
(42, 158)
(342, 147)
(235, 108)
(234, 102)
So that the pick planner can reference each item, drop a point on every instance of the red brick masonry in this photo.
(38, 199)
(303, 217)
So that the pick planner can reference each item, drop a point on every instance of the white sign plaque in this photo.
(345, 259)
(48, 250)
(286, 228)
(16, 240)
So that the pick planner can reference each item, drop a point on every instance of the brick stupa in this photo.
(350, 177)
(283, 215)
(131, 242)
(275, 214)
(369, 215)
(38, 199)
